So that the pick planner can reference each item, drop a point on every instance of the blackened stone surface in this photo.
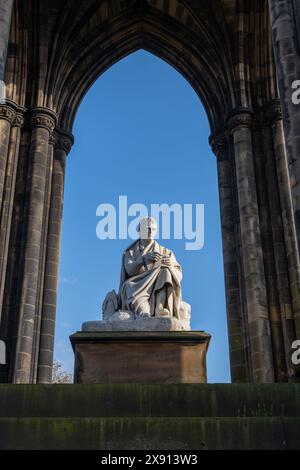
(136, 416)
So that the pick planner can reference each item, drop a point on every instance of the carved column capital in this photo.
(13, 113)
(43, 117)
(241, 117)
(219, 144)
(19, 120)
(63, 140)
(7, 112)
(20, 116)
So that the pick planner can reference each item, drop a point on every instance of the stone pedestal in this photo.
(167, 357)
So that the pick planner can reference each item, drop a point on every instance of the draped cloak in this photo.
(149, 279)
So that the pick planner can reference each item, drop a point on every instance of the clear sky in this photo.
(141, 131)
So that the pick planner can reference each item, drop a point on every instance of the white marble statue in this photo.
(149, 295)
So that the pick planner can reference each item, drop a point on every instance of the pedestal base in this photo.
(140, 357)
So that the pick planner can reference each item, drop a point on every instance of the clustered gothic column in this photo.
(221, 146)
(273, 242)
(43, 122)
(33, 187)
(291, 283)
(12, 120)
(259, 245)
(285, 22)
(252, 254)
(63, 142)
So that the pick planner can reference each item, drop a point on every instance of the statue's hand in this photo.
(154, 256)
(166, 261)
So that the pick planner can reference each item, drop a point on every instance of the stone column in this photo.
(43, 123)
(278, 191)
(42, 265)
(239, 124)
(7, 222)
(290, 237)
(6, 7)
(285, 21)
(63, 142)
(10, 309)
(8, 193)
(235, 315)
(7, 116)
(270, 225)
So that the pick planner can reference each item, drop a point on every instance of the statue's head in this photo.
(147, 228)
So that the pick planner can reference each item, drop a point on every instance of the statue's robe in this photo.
(144, 284)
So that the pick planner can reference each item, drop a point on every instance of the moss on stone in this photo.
(139, 416)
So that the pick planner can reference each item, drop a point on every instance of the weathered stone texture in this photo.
(225, 50)
(140, 357)
(285, 20)
(150, 416)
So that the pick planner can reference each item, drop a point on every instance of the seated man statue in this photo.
(150, 280)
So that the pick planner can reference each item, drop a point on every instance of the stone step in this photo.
(144, 433)
(138, 400)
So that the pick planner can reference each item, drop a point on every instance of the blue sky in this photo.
(141, 131)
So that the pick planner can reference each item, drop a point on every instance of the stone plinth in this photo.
(140, 357)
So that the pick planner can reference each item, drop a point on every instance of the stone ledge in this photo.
(147, 416)
(190, 336)
(168, 433)
(181, 400)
